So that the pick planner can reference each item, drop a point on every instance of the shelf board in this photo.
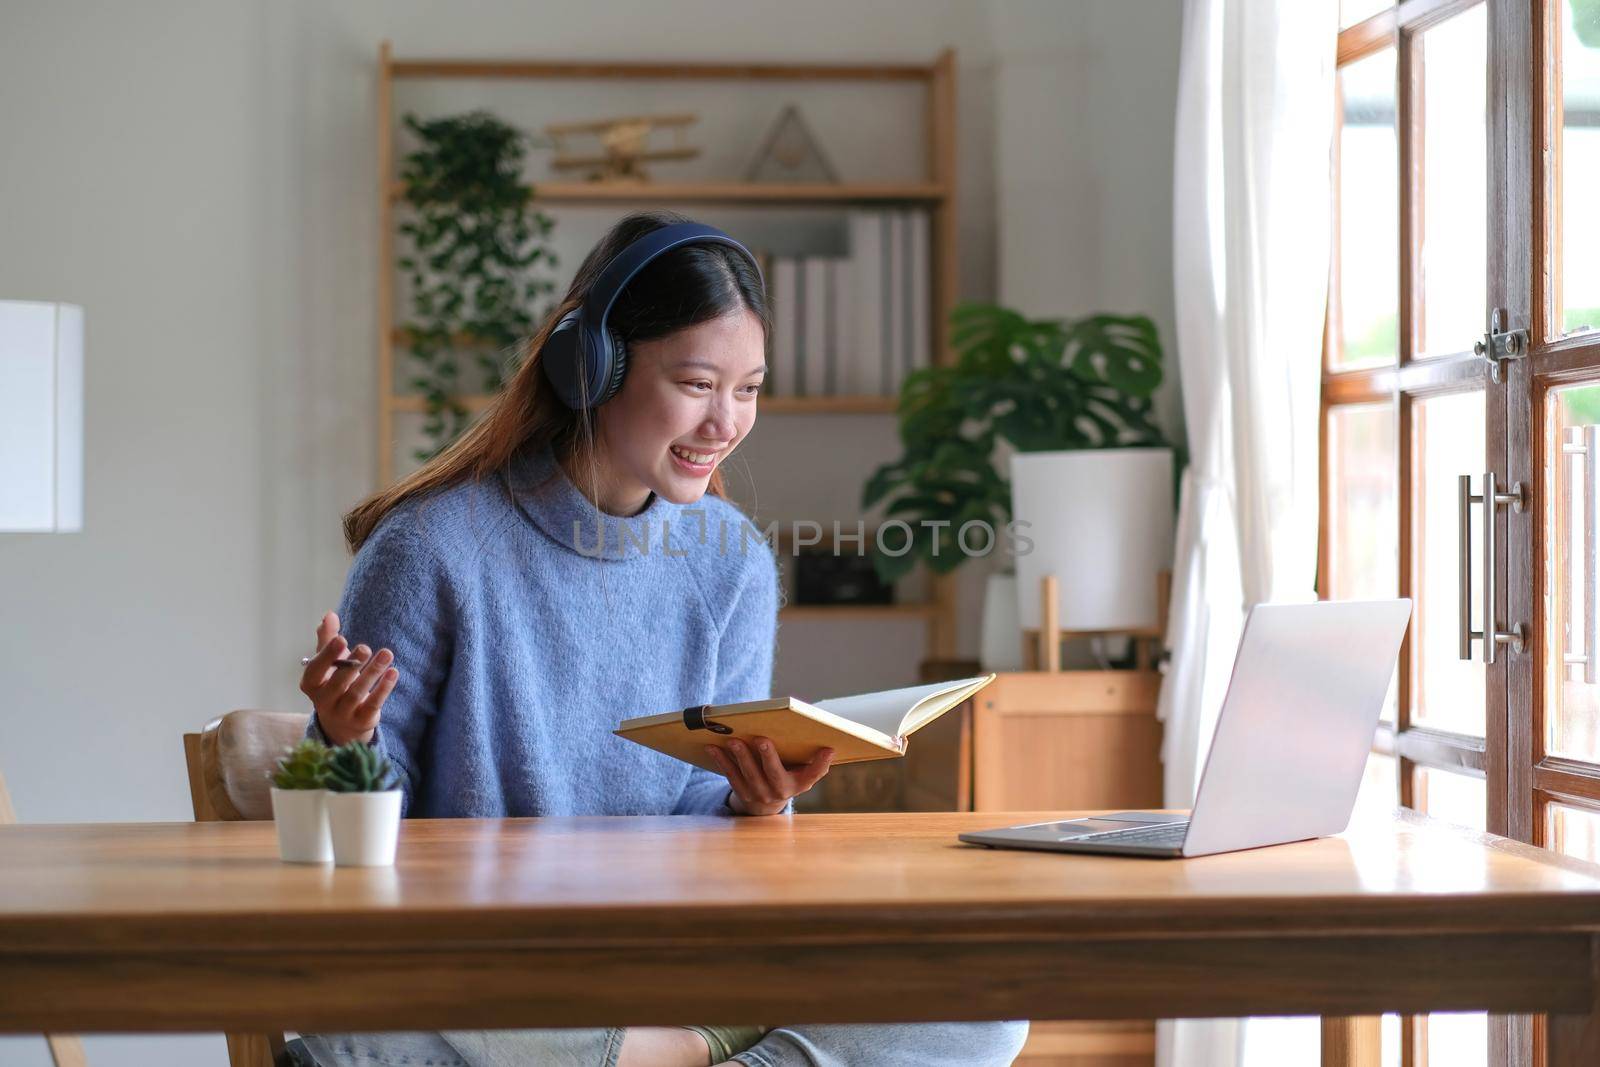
(774, 405)
(834, 612)
(684, 70)
(846, 404)
(726, 192)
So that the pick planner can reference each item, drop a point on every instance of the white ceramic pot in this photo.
(365, 827)
(1101, 521)
(301, 816)
(1000, 643)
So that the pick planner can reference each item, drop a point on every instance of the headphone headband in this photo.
(583, 359)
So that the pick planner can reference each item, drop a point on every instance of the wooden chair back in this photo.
(229, 760)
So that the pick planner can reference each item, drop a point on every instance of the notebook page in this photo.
(931, 707)
(887, 710)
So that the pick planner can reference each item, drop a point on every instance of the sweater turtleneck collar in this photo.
(545, 493)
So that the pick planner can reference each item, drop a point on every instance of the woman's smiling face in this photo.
(686, 403)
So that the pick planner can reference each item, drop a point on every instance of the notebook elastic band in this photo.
(695, 719)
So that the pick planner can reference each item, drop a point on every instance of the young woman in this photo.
(569, 561)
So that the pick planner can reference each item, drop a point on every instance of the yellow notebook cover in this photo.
(866, 726)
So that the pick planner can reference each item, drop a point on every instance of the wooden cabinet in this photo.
(1072, 739)
(1068, 740)
(1031, 741)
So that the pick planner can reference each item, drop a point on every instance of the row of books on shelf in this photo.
(853, 325)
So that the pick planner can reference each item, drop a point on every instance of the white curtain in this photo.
(1251, 227)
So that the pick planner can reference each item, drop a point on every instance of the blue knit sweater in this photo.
(526, 624)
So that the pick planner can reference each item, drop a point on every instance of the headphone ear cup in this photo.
(619, 366)
(563, 361)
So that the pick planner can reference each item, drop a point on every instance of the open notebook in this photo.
(867, 726)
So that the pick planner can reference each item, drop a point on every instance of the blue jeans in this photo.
(817, 1045)
(469, 1048)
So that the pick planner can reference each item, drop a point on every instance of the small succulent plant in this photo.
(305, 766)
(357, 767)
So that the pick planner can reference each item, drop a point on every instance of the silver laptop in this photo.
(1290, 747)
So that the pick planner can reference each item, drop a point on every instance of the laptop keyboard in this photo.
(1159, 834)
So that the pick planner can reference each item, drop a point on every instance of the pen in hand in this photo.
(346, 694)
(306, 661)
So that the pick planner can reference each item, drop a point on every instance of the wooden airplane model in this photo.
(625, 146)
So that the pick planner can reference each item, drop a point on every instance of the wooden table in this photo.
(819, 918)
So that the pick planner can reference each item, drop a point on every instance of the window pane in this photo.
(1579, 259)
(1458, 1040)
(1454, 1040)
(1363, 555)
(1457, 798)
(1570, 478)
(1380, 789)
(1288, 1041)
(1363, 552)
(1573, 831)
(1354, 11)
(1454, 242)
(1369, 216)
(1448, 439)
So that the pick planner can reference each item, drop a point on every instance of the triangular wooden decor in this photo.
(791, 154)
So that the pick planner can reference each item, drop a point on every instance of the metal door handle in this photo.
(1585, 441)
(1490, 498)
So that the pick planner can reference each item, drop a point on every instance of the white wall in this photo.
(132, 183)
(200, 176)
(1084, 99)
(1085, 94)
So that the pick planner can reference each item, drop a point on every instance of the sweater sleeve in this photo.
(397, 596)
(744, 671)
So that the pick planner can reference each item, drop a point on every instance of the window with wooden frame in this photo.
(1405, 406)
(1461, 421)
(1553, 796)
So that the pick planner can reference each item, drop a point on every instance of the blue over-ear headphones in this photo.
(583, 359)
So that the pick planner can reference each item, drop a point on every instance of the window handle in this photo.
(1585, 441)
(1591, 543)
(1490, 635)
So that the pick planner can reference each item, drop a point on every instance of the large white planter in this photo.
(1101, 521)
(301, 816)
(365, 827)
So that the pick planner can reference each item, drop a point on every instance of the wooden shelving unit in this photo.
(936, 192)
(800, 405)
(1053, 1043)
(724, 193)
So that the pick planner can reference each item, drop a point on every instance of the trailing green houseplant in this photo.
(474, 246)
(1038, 384)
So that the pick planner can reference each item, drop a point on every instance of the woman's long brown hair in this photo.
(689, 285)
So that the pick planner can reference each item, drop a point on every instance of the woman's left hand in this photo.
(761, 784)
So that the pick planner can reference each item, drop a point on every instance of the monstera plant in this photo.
(1038, 384)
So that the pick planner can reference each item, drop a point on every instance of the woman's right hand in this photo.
(347, 699)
